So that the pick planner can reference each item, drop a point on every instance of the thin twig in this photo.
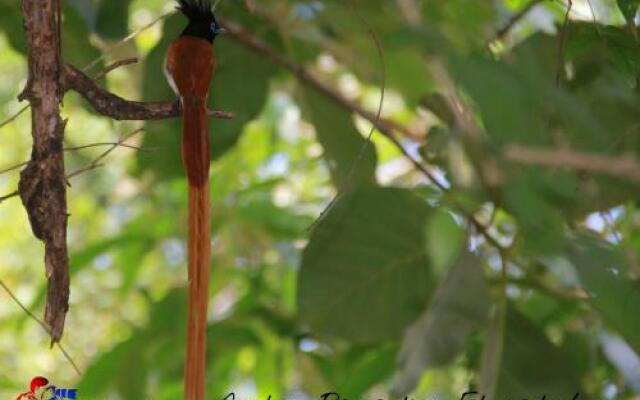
(239, 33)
(96, 161)
(517, 17)
(128, 146)
(562, 41)
(98, 59)
(97, 77)
(623, 166)
(14, 167)
(8, 196)
(253, 42)
(111, 67)
(86, 146)
(465, 121)
(127, 39)
(14, 116)
(411, 11)
(93, 164)
(41, 323)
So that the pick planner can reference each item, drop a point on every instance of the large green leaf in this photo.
(530, 366)
(76, 47)
(466, 23)
(157, 349)
(112, 18)
(604, 272)
(407, 72)
(97, 379)
(459, 309)
(352, 372)
(365, 275)
(11, 24)
(351, 160)
(279, 222)
(125, 367)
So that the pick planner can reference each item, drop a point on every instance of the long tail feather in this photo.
(195, 155)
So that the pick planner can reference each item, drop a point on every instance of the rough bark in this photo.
(42, 186)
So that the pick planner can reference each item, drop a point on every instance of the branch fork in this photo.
(43, 182)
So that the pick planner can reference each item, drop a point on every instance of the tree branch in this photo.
(111, 67)
(502, 32)
(247, 39)
(624, 166)
(41, 323)
(95, 163)
(42, 186)
(113, 106)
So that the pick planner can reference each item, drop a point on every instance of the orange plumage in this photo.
(190, 66)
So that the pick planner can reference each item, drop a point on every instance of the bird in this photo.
(190, 66)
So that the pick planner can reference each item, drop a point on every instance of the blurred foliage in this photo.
(510, 279)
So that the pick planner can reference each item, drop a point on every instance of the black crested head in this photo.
(202, 22)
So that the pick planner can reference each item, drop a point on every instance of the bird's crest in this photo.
(196, 10)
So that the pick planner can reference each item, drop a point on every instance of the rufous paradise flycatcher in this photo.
(190, 66)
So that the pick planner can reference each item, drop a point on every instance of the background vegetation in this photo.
(505, 275)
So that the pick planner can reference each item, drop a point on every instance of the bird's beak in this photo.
(219, 31)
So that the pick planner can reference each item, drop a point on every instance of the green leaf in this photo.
(629, 9)
(466, 23)
(504, 99)
(445, 240)
(352, 372)
(97, 379)
(371, 368)
(603, 271)
(12, 26)
(279, 222)
(407, 72)
(460, 308)
(539, 222)
(350, 158)
(365, 275)
(125, 367)
(592, 112)
(76, 47)
(531, 366)
(112, 19)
